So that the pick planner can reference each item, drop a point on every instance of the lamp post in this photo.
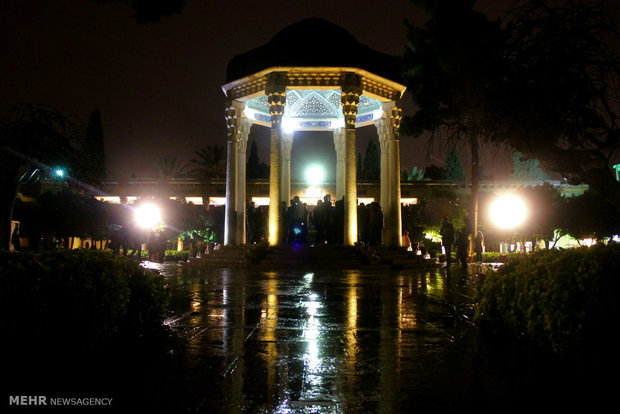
(147, 217)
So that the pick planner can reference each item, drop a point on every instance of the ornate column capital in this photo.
(350, 98)
(390, 123)
(232, 113)
(397, 116)
(276, 96)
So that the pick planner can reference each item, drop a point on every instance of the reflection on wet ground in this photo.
(330, 341)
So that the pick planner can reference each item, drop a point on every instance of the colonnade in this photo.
(238, 128)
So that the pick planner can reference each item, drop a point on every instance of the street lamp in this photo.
(508, 211)
(315, 174)
(147, 216)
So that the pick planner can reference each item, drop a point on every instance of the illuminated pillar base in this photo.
(350, 189)
(274, 187)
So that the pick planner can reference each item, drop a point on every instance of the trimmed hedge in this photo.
(564, 301)
(83, 295)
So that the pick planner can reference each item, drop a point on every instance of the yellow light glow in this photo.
(260, 201)
(217, 201)
(109, 199)
(365, 200)
(194, 200)
(147, 216)
(508, 211)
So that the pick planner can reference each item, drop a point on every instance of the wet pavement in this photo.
(370, 340)
(330, 341)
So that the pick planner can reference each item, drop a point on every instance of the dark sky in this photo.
(158, 86)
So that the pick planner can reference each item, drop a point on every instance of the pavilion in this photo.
(312, 76)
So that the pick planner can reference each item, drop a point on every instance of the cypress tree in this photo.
(360, 167)
(94, 150)
(454, 168)
(527, 170)
(372, 162)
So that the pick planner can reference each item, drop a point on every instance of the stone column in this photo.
(389, 126)
(351, 92)
(287, 146)
(243, 131)
(382, 132)
(276, 97)
(339, 134)
(233, 113)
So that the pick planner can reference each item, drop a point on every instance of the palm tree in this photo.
(210, 162)
(167, 168)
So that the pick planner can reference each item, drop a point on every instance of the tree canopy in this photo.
(558, 99)
(526, 169)
(454, 168)
(35, 140)
(543, 80)
(210, 162)
(371, 168)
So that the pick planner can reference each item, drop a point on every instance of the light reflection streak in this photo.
(351, 346)
(313, 363)
(268, 328)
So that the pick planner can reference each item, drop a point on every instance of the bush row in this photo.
(564, 301)
(83, 295)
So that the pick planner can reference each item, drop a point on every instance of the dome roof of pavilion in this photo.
(313, 42)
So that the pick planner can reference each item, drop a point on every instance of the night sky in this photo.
(158, 86)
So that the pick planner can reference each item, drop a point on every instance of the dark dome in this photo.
(313, 42)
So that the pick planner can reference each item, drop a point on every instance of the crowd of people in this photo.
(450, 237)
(325, 218)
(327, 221)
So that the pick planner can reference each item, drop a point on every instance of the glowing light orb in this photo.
(59, 173)
(508, 211)
(315, 174)
(147, 216)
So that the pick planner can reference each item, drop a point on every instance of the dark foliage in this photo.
(254, 167)
(563, 301)
(77, 296)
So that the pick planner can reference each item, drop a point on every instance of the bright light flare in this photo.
(148, 216)
(508, 211)
(315, 174)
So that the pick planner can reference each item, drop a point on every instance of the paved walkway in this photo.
(330, 341)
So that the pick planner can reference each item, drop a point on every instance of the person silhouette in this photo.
(15, 238)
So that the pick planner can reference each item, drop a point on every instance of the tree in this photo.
(435, 173)
(416, 174)
(211, 162)
(254, 168)
(359, 169)
(167, 168)
(559, 99)
(371, 169)
(454, 168)
(547, 213)
(94, 150)
(35, 140)
(526, 170)
(450, 67)
(590, 216)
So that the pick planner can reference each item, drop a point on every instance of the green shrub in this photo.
(81, 295)
(174, 255)
(561, 300)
